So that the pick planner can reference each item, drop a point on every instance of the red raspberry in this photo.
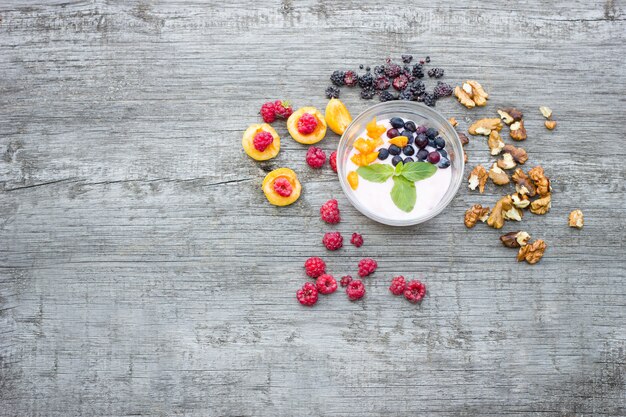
(398, 285)
(414, 291)
(283, 109)
(367, 266)
(355, 290)
(357, 240)
(268, 112)
(262, 140)
(307, 124)
(350, 78)
(400, 82)
(330, 212)
(326, 284)
(315, 157)
(283, 187)
(345, 280)
(307, 295)
(333, 161)
(332, 240)
(314, 267)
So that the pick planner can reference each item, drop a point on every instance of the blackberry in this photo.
(379, 70)
(392, 70)
(368, 93)
(418, 71)
(427, 59)
(368, 69)
(430, 99)
(442, 90)
(337, 78)
(435, 72)
(361, 66)
(406, 94)
(381, 83)
(332, 92)
(386, 96)
(366, 80)
(350, 78)
(417, 88)
(407, 59)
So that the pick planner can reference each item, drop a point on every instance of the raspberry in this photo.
(357, 240)
(414, 291)
(307, 295)
(350, 78)
(315, 157)
(398, 285)
(381, 83)
(345, 280)
(400, 82)
(283, 187)
(355, 290)
(330, 212)
(314, 267)
(262, 140)
(307, 124)
(326, 284)
(333, 160)
(367, 266)
(282, 109)
(268, 112)
(332, 240)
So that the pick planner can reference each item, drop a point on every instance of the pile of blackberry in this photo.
(392, 81)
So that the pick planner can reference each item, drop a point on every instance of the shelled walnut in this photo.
(541, 205)
(496, 217)
(478, 178)
(523, 184)
(515, 239)
(518, 154)
(498, 176)
(518, 131)
(532, 252)
(510, 115)
(495, 142)
(471, 94)
(474, 214)
(520, 201)
(576, 219)
(542, 183)
(485, 126)
(507, 161)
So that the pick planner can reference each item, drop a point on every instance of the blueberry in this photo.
(440, 143)
(410, 126)
(392, 133)
(422, 154)
(383, 154)
(431, 133)
(410, 135)
(431, 143)
(407, 160)
(421, 141)
(444, 163)
(421, 129)
(408, 150)
(433, 157)
(396, 122)
(443, 153)
(394, 150)
(395, 160)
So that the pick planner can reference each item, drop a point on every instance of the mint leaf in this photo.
(398, 170)
(403, 193)
(417, 171)
(376, 172)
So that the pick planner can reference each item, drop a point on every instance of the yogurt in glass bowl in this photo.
(386, 198)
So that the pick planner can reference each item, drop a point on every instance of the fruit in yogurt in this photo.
(375, 130)
(261, 142)
(281, 187)
(337, 116)
(353, 179)
(307, 125)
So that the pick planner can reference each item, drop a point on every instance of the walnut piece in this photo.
(507, 162)
(478, 93)
(471, 94)
(464, 98)
(523, 185)
(513, 214)
(453, 121)
(515, 239)
(496, 218)
(510, 115)
(518, 154)
(464, 138)
(546, 111)
(576, 219)
(518, 131)
(550, 124)
(495, 142)
(485, 126)
(541, 205)
(520, 201)
(498, 176)
(475, 213)
(478, 178)
(532, 253)
(542, 183)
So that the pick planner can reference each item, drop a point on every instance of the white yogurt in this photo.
(377, 196)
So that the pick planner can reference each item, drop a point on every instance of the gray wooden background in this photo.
(142, 271)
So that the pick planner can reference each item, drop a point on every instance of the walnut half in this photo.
(475, 213)
(495, 142)
(485, 126)
(533, 252)
(515, 239)
(498, 176)
(496, 218)
(541, 205)
(478, 178)
(507, 161)
(523, 184)
(576, 219)
(518, 131)
(542, 183)
(518, 154)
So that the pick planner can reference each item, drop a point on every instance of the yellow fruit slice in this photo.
(363, 146)
(356, 158)
(353, 179)
(337, 116)
(400, 141)
(374, 130)
(248, 142)
(275, 198)
(369, 158)
(314, 137)
(364, 159)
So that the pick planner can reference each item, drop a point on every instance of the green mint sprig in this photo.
(404, 177)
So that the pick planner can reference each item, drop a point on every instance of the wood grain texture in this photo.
(142, 272)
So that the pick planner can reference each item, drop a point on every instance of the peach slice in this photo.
(248, 142)
(314, 137)
(374, 130)
(272, 196)
(337, 116)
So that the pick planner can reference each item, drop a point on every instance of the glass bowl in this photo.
(420, 114)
